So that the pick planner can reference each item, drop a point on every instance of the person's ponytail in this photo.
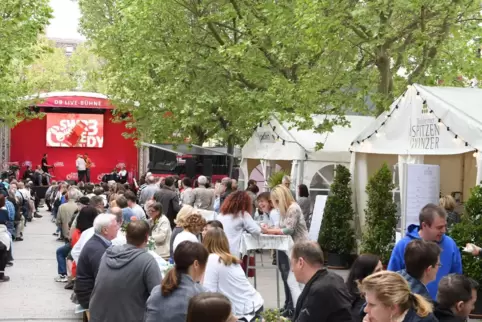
(185, 255)
(421, 306)
(171, 282)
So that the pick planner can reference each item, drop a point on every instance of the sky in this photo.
(66, 20)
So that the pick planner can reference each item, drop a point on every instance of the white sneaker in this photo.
(62, 279)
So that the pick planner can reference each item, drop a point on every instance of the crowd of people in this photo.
(105, 231)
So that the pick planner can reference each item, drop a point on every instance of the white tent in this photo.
(431, 125)
(276, 145)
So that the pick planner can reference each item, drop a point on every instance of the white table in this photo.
(280, 243)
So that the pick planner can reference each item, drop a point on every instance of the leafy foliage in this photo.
(381, 216)
(53, 70)
(276, 178)
(337, 234)
(469, 230)
(21, 22)
(215, 69)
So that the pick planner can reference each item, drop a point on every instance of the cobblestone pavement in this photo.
(33, 295)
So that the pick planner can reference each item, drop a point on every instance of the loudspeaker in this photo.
(208, 168)
(190, 168)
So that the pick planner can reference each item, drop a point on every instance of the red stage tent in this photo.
(75, 123)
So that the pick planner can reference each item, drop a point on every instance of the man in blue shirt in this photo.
(433, 222)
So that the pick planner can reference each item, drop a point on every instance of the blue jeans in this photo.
(62, 253)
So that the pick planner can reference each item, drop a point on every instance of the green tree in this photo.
(469, 230)
(381, 216)
(219, 67)
(49, 71)
(85, 69)
(337, 235)
(21, 22)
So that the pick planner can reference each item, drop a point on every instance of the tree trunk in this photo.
(385, 85)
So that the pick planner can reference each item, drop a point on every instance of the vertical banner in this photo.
(75, 130)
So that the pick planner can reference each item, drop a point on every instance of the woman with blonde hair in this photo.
(448, 203)
(225, 275)
(192, 226)
(389, 299)
(292, 223)
(180, 220)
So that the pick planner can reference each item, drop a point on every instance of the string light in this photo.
(283, 141)
(457, 138)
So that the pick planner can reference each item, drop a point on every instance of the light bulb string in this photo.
(284, 141)
(431, 111)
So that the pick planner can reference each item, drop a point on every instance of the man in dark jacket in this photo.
(169, 200)
(456, 297)
(127, 274)
(325, 297)
(105, 228)
(422, 261)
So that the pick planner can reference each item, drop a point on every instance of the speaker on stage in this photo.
(190, 168)
(208, 168)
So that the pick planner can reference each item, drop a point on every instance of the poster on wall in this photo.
(75, 130)
(422, 186)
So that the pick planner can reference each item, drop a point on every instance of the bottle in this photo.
(73, 137)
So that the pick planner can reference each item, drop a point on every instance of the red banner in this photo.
(75, 130)
(76, 102)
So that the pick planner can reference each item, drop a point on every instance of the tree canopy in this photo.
(204, 69)
(21, 22)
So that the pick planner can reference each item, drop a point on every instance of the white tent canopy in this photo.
(431, 125)
(276, 145)
(280, 141)
(448, 123)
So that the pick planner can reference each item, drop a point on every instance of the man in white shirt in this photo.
(81, 167)
(87, 234)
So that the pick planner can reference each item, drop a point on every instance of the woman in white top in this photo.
(225, 275)
(235, 215)
(192, 227)
(160, 230)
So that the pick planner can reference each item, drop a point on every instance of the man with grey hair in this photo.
(149, 191)
(105, 230)
(286, 181)
(203, 198)
(66, 211)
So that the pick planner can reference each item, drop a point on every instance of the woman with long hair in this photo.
(192, 227)
(224, 274)
(363, 266)
(212, 307)
(389, 299)
(160, 230)
(169, 301)
(292, 223)
(235, 215)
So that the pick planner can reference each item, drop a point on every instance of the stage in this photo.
(75, 123)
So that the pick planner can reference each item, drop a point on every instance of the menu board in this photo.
(421, 187)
